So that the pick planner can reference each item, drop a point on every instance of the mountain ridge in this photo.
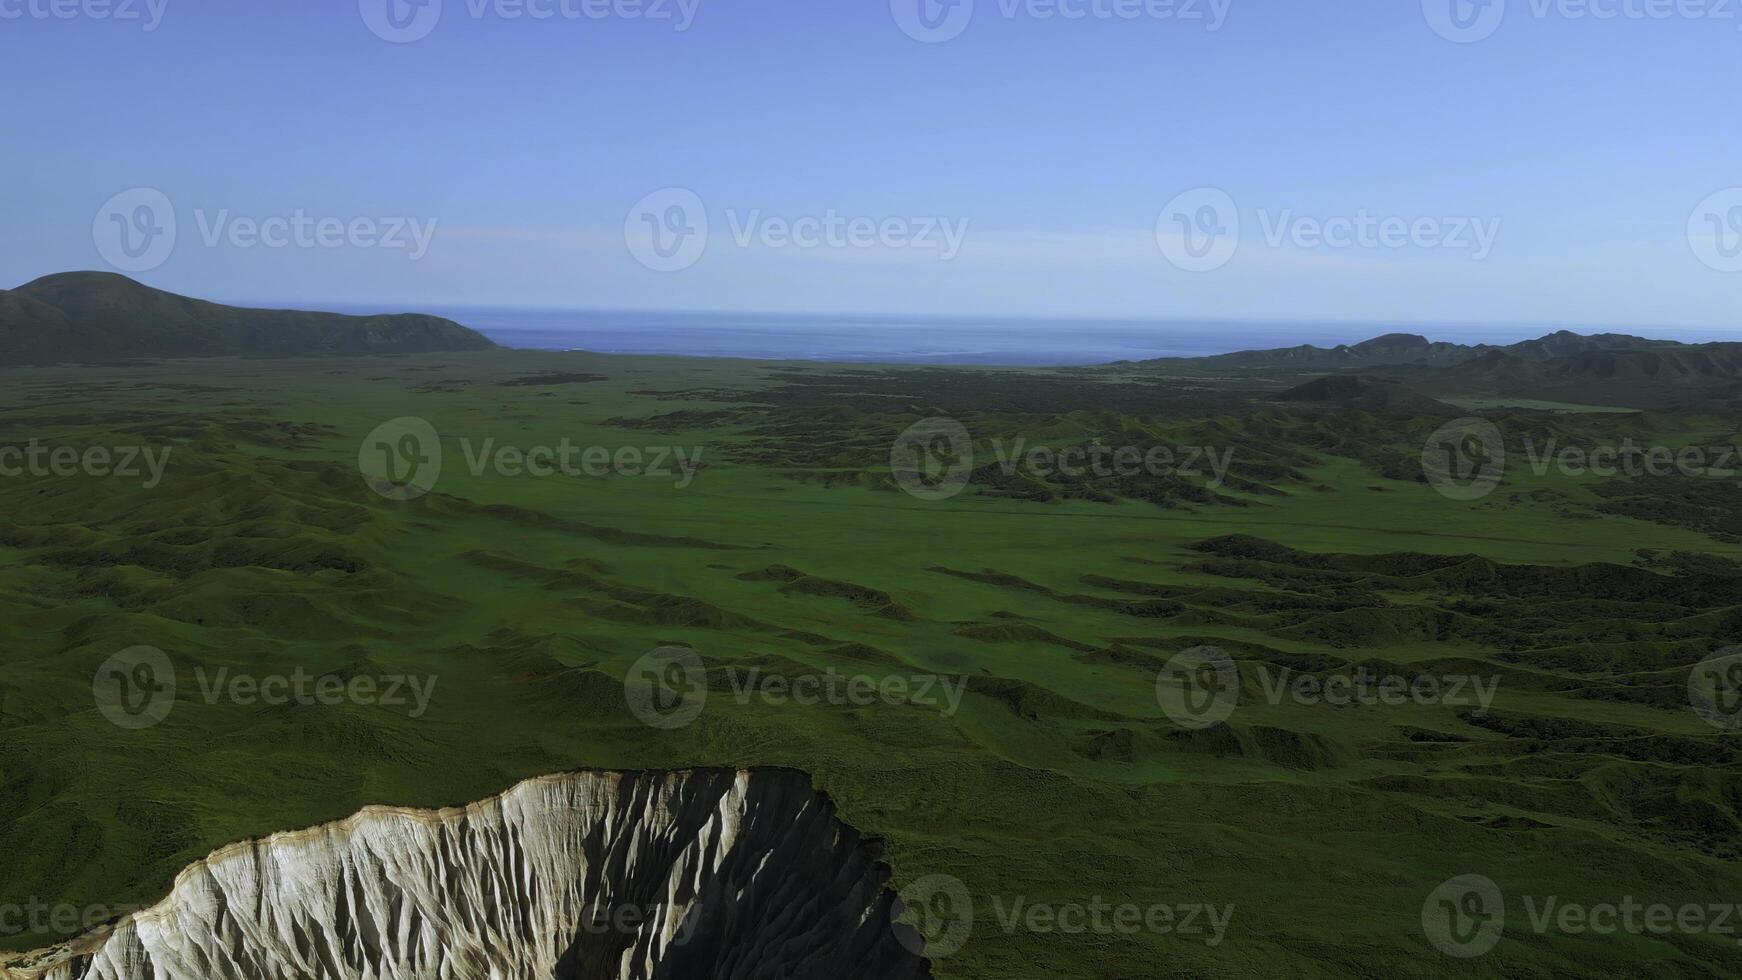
(1395, 350)
(1404, 372)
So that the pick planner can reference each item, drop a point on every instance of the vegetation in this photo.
(81, 317)
(1056, 597)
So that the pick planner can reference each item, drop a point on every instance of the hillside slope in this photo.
(97, 317)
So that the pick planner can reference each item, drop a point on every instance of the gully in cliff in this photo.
(581, 876)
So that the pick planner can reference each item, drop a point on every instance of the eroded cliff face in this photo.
(583, 876)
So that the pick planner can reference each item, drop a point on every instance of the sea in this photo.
(949, 341)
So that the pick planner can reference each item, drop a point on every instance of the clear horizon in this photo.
(1248, 161)
(1455, 332)
(523, 319)
(901, 338)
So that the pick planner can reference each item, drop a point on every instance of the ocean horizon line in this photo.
(944, 340)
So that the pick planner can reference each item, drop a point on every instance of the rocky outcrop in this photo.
(582, 876)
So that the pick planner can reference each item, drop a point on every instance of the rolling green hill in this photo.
(92, 317)
(1367, 393)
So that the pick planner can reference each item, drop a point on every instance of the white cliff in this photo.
(583, 876)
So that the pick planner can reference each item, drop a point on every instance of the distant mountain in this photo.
(1410, 350)
(1389, 350)
(1563, 343)
(1680, 365)
(1408, 373)
(99, 316)
(1684, 375)
(1662, 376)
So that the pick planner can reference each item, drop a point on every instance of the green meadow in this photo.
(523, 603)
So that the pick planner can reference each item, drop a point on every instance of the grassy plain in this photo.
(527, 600)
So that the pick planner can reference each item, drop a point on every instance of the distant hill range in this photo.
(1684, 364)
(1403, 372)
(1407, 349)
(94, 317)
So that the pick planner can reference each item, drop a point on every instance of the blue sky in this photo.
(1053, 145)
